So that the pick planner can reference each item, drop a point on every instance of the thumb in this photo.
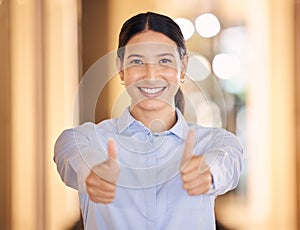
(188, 148)
(112, 150)
(112, 161)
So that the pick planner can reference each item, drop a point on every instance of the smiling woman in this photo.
(151, 71)
(149, 168)
(170, 38)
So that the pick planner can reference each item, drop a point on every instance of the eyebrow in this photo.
(165, 54)
(141, 56)
(135, 55)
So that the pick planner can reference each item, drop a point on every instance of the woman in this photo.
(149, 168)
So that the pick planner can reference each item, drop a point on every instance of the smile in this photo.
(151, 92)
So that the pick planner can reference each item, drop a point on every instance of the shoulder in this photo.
(213, 134)
(88, 129)
(209, 130)
(202, 130)
(91, 127)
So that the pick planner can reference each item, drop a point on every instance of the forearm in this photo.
(225, 163)
(74, 155)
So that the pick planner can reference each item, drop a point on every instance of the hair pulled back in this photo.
(157, 23)
(154, 22)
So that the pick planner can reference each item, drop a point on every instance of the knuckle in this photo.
(190, 192)
(183, 177)
(88, 179)
(112, 196)
(110, 187)
(94, 199)
(88, 190)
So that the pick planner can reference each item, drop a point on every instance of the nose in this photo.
(151, 70)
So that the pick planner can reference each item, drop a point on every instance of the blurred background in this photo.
(250, 49)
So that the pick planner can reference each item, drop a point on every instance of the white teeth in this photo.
(151, 90)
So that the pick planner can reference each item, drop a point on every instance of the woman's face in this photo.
(151, 70)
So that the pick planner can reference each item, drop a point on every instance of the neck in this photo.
(156, 121)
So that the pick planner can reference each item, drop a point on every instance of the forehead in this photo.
(153, 49)
(150, 42)
(151, 37)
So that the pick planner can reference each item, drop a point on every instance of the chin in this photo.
(152, 105)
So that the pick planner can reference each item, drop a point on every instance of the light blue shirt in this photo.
(149, 193)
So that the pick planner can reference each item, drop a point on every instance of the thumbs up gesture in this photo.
(100, 183)
(195, 175)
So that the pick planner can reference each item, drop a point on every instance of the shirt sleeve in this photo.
(224, 157)
(75, 154)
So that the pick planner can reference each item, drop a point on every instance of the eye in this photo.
(165, 61)
(136, 62)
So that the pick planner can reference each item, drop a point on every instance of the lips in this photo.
(151, 92)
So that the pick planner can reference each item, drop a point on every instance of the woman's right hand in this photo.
(101, 182)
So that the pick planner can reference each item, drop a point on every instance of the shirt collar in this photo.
(180, 128)
(124, 120)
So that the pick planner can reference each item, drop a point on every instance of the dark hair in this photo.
(157, 23)
(154, 22)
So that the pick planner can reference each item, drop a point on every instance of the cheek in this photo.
(173, 76)
(130, 76)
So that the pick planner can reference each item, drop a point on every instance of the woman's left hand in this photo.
(195, 174)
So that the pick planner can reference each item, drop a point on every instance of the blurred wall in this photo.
(47, 45)
(93, 44)
(297, 93)
(43, 56)
(5, 118)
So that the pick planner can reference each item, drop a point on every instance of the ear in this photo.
(184, 64)
(120, 68)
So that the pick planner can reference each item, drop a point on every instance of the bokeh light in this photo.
(199, 67)
(207, 25)
(186, 27)
(236, 85)
(226, 66)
